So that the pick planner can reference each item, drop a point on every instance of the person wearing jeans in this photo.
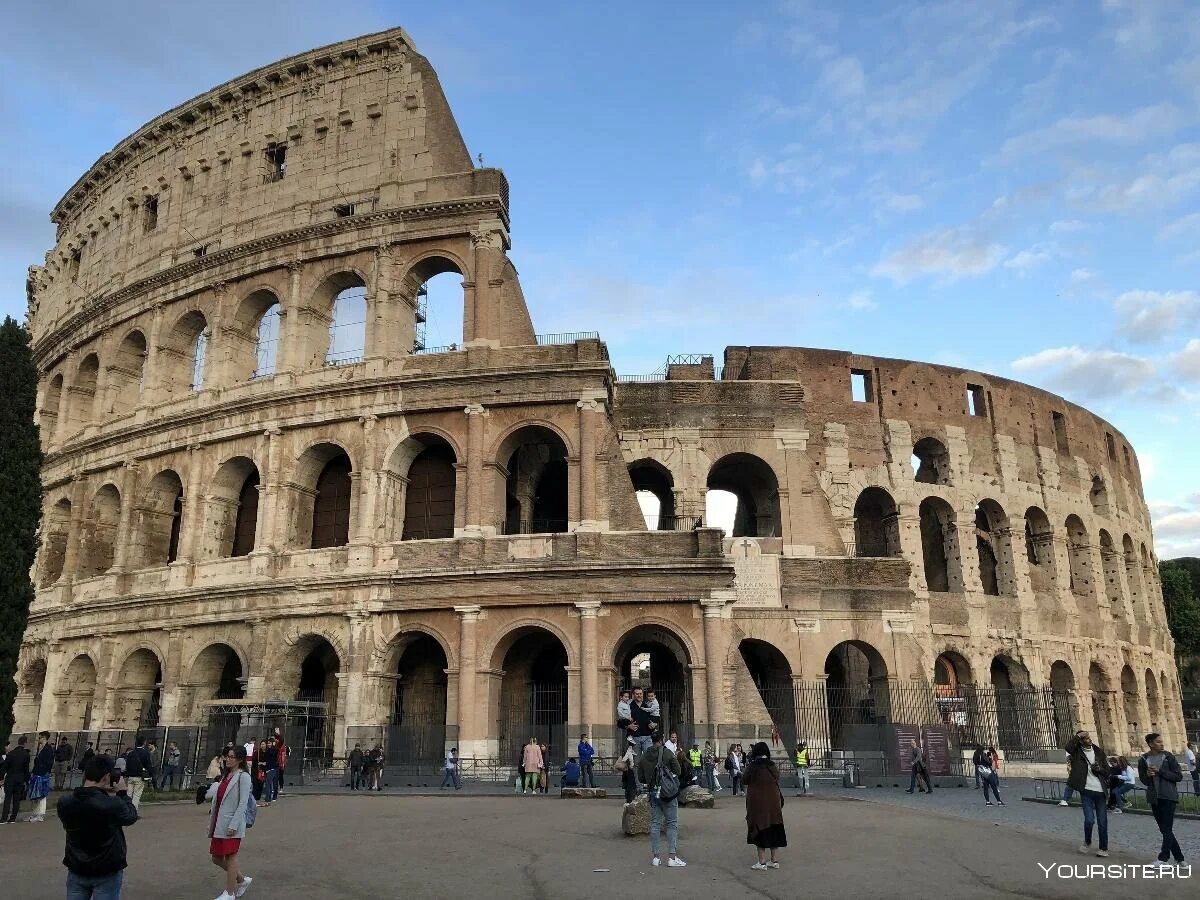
(271, 771)
(587, 775)
(93, 817)
(1161, 774)
(1088, 776)
(662, 810)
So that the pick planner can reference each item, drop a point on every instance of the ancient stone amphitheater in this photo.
(264, 496)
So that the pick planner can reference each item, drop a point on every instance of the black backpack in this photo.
(665, 780)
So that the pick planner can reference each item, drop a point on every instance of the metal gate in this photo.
(416, 735)
(303, 724)
(541, 713)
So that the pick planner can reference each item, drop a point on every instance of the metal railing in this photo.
(426, 351)
(688, 359)
(536, 526)
(349, 359)
(636, 379)
(568, 337)
(1188, 803)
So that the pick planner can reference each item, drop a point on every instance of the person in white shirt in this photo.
(1123, 780)
(1089, 776)
(1189, 757)
(672, 743)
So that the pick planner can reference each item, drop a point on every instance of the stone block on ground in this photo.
(635, 817)
(694, 797)
(583, 793)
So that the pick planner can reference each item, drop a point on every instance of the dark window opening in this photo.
(73, 264)
(150, 214)
(1128, 458)
(200, 251)
(246, 521)
(343, 210)
(1060, 433)
(1111, 445)
(976, 400)
(276, 161)
(860, 386)
(176, 519)
(331, 506)
(931, 461)
(429, 497)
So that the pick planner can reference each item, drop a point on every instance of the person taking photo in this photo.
(94, 817)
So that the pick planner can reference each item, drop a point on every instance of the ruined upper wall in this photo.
(362, 123)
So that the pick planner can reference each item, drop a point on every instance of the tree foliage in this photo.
(1183, 606)
(20, 502)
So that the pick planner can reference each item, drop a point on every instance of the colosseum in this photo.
(267, 500)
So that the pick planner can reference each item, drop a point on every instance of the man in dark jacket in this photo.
(139, 766)
(93, 817)
(62, 762)
(1088, 774)
(1159, 771)
(16, 773)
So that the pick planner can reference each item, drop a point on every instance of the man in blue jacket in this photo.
(93, 817)
(1159, 771)
(586, 752)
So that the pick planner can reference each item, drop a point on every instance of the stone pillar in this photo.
(368, 494)
(256, 662)
(47, 717)
(476, 416)
(488, 244)
(270, 517)
(124, 539)
(79, 501)
(590, 408)
(714, 646)
(168, 712)
(469, 740)
(588, 673)
(193, 507)
(293, 343)
(151, 376)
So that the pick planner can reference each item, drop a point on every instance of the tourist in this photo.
(802, 769)
(355, 761)
(641, 726)
(138, 767)
(570, 773)
(88, 754)
(377, 760)
(658, 770)
(171, 768)
(586, 765)
(625, 765)
(544, 775)
(764, 806)
(672, 743)
(1089, 776)
(62, 763)
(733, 765)
(216, 765)
(258, 770)
(450, 771)
(531, 762)
(521, 770)
(687, 775)
(38, 788)
(919, 772)
(94, 816)
(709, 761)
(284, 750)
(250, 745)
(1160, 773)
(1122, 780)
(651, 705)
(1068, 790)
(624, 713)
(1189, 756)
(697, 762)
(986, 763)
(368, 770)
(271, 771)
(16, 774)
(227, 820)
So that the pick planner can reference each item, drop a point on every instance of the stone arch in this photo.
(126, 373)
(436, 303)
(1102, 710)
(137, 693)
(77, 691)
(876, 524)
(1039, 550)
(951, 671)
(323, 497)
(654, 487)
(252, 337)
(231, 509)
(159, 521)
(930, 461)
(655, 655)
(48, 412)
(1153, 703)
(1016, 707)
(56, 526)
(386, 653)
(993, 544)
(532, 481)
(939, 545)
(421, 487)
(1064, 702)
(31, 689)
(81, 404)
(530, 694)
(337, 309)
(1079, 557)
(754, 483)
(1111, 561)
(217, 672)
(183, 355)
(856, 693)
(1133, 578)
(771, 674)
(100, 533)
(501, 643)
(418, 700)
(1130, 696)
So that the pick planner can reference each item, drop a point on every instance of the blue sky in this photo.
(1007, 186)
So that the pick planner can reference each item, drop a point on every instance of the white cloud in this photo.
(1176, 524)
(1183, 227)
(1147, 316)
(948, 252)
(1027, 260)
(844, 78)
(861, 300)
(1186, 363)
(904, 203)
(1160, 180)
(1067, 225)
(1140, 125)
(1090, 374)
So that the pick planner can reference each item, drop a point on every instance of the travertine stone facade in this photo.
(462, 525)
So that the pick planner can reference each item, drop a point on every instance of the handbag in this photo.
(666, 781)
(984, 771)
(38, 787)
(251, 809)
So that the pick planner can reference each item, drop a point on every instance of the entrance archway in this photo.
(416, 739)
(772, 676)
(1102, 706)
(79, 689)
(216, 675)
(316, 681)
(756, 487)
(1064, 709)
(653, 657)
(856, 695)
(533, 693)
(138, 695)
(1016, 711)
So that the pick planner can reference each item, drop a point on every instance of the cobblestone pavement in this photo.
(494, 847)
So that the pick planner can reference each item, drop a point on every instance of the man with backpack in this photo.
(139, 766)
(658, 770)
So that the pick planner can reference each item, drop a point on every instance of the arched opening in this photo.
(317, 682)
(939, 546)
(216, 675)
(754, 484)
(100, 533)
(535, 482)
(876, 524)
(1111, 560)
(1102, 706)
(1039, 550)
(440, 302)
(232, 513)
(48, 414)
(416, 739)
(1133, 577)
(430, 466)
(253, 337)
(55, 528)
(951, 673)
(126, 374)
(1063, 708)
(654, 658)
(82, 403)
(27, 705)
(655, 490)
(1152, 701)
(138, 693)
(930, 461)
(856, 694)
(533, 694)
(347, 339)
(993, 543)
(1129, 705)
(775, 702)
(1099, 496)
(1079, 554)
(183, 355)
(324, 501)
(160, 515)
(78, 690)
(1016, 707)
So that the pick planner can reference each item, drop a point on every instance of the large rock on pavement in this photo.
(582, 793)
(635, 817)
(695, 797)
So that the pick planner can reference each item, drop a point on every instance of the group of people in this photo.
(266, 763)
(366, 768)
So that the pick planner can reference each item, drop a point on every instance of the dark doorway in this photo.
(429, 496)
(533, 695)
(416, 740)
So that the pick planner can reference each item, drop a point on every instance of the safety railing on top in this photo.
(425, 351)
(569, 337)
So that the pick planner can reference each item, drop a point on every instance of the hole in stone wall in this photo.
(860, 385)
(1060, 433)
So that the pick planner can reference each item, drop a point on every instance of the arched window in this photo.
(1079, 555)
(182, 355)
(1133, 577)
(266, 345)
(160, 514)
(439, 308)
(231, 510)
(48, 416)
(1111, 559)
(939, 546)
(331, 505)
(127, 373)
(100, 534)
(199, 356)
(654, 488)
(1099, 496)
(245, 522)
(55, 528)
(429, 494)
(754, 484)
(348, 327)
(993, 544)
(931, 462)
(876, 527)
(1039, 550)
(535, 486)
(81, 406)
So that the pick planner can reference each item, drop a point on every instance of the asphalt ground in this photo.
(486, 847)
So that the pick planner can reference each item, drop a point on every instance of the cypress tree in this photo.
(20, 503)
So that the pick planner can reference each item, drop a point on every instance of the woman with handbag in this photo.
(38, 788)
(625, 765)
(227, 821)
(764, 806)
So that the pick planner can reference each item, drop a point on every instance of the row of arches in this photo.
(742, 497)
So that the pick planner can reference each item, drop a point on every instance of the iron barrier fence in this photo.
(569, 337)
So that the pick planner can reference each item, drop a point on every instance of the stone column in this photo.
(124, 539)
(168, 712)
(79, 502)
(270, 517)
(193, 507)
(488, 244)
(476, 416)
(293, 343)
(368, 495)
(469, 741)
(151, 376)
(256, 663)
(589, 407)
(47, 717)
(588, 683)
(714, 664)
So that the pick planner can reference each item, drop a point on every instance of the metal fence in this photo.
(569, 337)
(190, 739)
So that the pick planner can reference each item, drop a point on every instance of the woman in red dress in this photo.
(227, 820)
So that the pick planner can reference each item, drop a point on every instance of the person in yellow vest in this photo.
(694, 757)
(802, 769)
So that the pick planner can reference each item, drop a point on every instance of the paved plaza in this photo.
(881, 844)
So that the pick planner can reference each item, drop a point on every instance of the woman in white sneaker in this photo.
(227, 820)
(764, 806)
